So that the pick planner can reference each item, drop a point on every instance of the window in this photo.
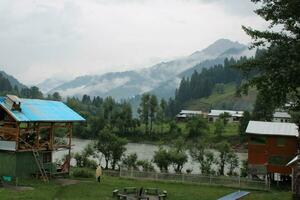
(279, 160)
(258, 140)
(47, 157)
(280, 142)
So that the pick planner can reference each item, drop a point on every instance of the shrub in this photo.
(82, 173)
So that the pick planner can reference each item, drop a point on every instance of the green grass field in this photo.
(90, 189)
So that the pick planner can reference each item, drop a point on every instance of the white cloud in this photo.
(40, 39)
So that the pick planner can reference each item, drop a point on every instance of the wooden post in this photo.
(37, 128)
(18, 137)
(70, 127)
(51, 136)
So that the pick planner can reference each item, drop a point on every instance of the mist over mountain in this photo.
(49, 84)
(161, 79)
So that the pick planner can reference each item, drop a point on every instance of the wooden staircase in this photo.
(40, 165)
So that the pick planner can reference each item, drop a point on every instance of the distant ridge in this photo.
(161, 79)
(13, 81)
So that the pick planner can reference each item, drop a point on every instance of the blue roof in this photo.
(35, 110)
(235, 195)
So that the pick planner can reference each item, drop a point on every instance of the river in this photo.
(143, 151)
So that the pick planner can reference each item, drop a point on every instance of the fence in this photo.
(236, 182)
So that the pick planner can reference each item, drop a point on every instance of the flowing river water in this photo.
(143, 151)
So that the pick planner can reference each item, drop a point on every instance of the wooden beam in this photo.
(37, 127)
(51, 136)
(70, 143)
(18, 137)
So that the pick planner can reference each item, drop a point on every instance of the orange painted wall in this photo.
(258, 154)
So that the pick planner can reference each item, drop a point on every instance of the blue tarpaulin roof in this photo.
(36, 110)
(235, 195)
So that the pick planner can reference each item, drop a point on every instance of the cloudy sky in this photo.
(41, 39)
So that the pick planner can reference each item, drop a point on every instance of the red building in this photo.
(271, 145)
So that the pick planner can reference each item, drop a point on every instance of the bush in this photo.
(82, 173)
(92, 164)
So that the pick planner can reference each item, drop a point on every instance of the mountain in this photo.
(161, 79)
(49, 84)
(167, 89)
(13, 81)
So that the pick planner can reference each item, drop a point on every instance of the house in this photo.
(281, 117)
(271, 145)
(295, 176)
(30, 131)
(185, 114)
(234, 116)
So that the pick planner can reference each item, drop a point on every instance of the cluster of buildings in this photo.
(233, 115)
(212, 116)
(272, 146)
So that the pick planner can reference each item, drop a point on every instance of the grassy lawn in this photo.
(90, 189)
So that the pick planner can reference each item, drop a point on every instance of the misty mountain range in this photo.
(161, 79)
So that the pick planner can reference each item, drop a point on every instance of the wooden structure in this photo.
(295, 176)
(30, 130)
(271, 145)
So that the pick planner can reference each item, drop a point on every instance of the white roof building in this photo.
(188, 113)
(272, 128)
(191, 112)
(233, 113)
(282, 115)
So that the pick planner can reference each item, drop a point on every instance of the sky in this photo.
(42, 39)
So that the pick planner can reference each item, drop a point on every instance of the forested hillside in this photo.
(202, 85)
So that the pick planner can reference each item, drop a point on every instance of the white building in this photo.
(184, 114)
(235, 116)
(281, 117)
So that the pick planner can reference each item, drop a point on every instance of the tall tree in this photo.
(224, 150)
(244, 122)
(197, 127)
(263, 108)
(178, 156)
(161, 114)
(108, 107)
(111, 146)
(153, 110)
(144, 110)
(279, 65)
(162, 159)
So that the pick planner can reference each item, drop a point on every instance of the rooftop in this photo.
(281, 115)
(230, 112)
(272, 128)
(36, 110)
(198, 112)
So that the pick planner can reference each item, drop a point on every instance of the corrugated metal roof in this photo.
(281, 115)
(195, 112)
(293, 161)
(235, 195)
(272, 128)
(35, 110)
(230, 112)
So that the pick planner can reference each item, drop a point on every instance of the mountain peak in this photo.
(218, 47)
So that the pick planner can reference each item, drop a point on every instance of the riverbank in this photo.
(90, 189)
(144, 152)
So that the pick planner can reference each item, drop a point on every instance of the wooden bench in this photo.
(122, 196)
(130, 190)
(115, 192)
